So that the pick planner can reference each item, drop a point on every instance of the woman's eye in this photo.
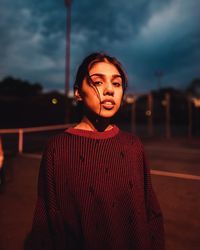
(97, 82)
(117, 84)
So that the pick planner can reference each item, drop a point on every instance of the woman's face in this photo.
(103, 95)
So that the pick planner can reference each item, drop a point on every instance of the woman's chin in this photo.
(106, 115)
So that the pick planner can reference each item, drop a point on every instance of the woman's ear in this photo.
(77, 95)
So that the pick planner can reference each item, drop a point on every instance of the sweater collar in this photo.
(94, 134)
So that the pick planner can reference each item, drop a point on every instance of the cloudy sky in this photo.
(147, 36)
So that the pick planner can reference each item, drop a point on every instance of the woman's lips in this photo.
(108, 103)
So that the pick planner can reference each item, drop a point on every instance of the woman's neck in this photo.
(98, 124)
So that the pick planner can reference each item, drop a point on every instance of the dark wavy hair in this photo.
(88, 63)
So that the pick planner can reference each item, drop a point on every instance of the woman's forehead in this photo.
(104, 68)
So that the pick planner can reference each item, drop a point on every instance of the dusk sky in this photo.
(145, 35)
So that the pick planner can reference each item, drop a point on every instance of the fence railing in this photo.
(192, 118)
(21, 131)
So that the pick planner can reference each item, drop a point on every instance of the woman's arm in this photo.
(154, 214)
(47, 229)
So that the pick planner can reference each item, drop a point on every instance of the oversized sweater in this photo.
(95, 193)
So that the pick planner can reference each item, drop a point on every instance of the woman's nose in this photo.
(109, 89)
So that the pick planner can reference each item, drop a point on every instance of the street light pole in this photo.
(168, 127)
(67, 63)
(189, 99)
(159, 74)
(130, 99)
(149, 114)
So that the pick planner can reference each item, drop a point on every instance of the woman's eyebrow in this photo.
(102, 75)
(116, 76)
(97, 74)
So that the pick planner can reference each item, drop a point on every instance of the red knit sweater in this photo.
(95, 193)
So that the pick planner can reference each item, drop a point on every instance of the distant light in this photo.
(164, 102)
(130, 99)
(54, 101)
(196, 102)
(148, 113)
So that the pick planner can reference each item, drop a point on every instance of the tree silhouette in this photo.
(10, 86)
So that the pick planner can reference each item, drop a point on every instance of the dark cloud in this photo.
(146, 35)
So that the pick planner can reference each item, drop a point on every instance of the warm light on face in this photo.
(103, 92)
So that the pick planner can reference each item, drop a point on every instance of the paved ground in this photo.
(179, 198)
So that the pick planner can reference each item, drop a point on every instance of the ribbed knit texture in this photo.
(95, 193)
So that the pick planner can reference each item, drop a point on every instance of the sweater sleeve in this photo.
(47, 229)
(154, 214)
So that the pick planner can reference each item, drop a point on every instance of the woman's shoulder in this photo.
(57, 140)
(130, 138)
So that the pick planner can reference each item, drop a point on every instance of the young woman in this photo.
(95, 191)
